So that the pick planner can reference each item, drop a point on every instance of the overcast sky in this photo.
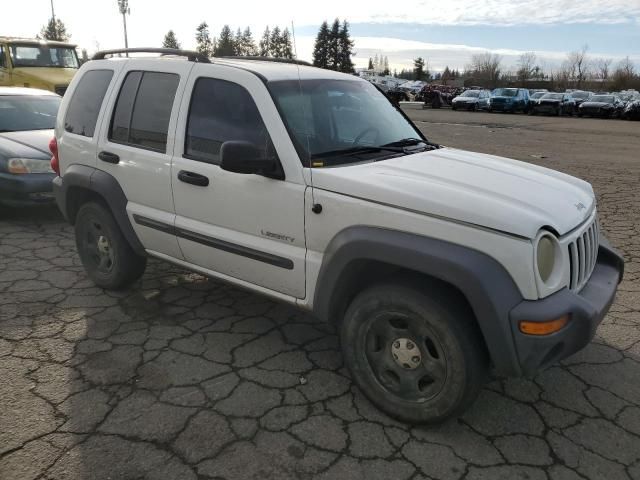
(445, 32)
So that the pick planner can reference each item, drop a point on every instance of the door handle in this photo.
(109, 157)
(193, 178)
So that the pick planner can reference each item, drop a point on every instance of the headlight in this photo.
(548, 258)
(28, 165)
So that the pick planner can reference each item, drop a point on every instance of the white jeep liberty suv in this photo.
(311, 187)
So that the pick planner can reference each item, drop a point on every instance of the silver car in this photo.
(471, 100)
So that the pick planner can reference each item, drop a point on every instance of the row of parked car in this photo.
(576, 102)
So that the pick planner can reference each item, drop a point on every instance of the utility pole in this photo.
(53, 15)
(124, 10)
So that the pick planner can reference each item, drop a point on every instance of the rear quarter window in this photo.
(84, 106)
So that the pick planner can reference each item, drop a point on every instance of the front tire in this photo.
(106, 255)
(416, 353)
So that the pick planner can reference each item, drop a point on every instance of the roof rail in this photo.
(268, 59)
(190, 54)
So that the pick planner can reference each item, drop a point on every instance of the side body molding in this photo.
(487, 286)
(103, 184)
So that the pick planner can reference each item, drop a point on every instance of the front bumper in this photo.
(586, 308)
(26, 189)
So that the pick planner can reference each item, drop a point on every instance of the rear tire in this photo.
(417, 356)
(106, 255)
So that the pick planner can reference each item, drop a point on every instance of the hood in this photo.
(46, 75)
(28, 144)
(484, 190)
(596, 104)
(502, 98)
(466, 99)
(549, 100)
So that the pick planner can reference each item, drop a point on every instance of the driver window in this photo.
(222, 111)
(3, 61)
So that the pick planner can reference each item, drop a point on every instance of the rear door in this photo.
(136, 142)
(244, 227)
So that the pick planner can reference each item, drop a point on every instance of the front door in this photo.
(246, 227)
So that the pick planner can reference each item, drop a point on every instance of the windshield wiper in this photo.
(405, 142)
(358, 150)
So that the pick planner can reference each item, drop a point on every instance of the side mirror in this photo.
(246, 158)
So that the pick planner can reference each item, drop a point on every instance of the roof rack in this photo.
(268, 59)
(190, 54)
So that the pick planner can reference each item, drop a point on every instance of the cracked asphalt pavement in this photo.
(183, 377)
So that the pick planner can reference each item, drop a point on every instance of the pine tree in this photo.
(418, 68)
(446, 75)
(334, 46)
(237, 43)
(225, 46)
(170, 40)
(376, 64)
(370, 67)
(54, 31)
(275, 44)
(321, 48)
(345, 49)
(385, 65)
(286, 45)
(265, 43)
(203, 40)
(248, 44)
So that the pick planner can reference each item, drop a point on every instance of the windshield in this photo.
(580, 95)
(28, 112)
(43, 56)
(552, 96)
(505, 92)
(602, 98)
(537, 95)
(471, 93)
(325, 117)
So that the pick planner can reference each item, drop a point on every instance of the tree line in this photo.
(577, 70)
(274, 42)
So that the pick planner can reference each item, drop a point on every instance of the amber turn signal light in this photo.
(544, 328)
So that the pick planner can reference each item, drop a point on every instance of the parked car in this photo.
(471, 100)
(632, 110)
(35, 63)
(509, 100)
(534, 97)
(579, 97)
(435, 264)
(27, 119)
(606, 106)
(554, 103)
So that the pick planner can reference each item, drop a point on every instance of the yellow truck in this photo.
(36, 63)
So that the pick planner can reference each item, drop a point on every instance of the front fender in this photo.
(487, 286)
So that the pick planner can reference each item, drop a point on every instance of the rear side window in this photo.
(222, 111)
(143, 110)
(84, 106)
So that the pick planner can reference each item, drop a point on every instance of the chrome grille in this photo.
(583, 254)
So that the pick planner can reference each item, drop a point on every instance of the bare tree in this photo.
(526, 67)
(486, 67)
(579, 63)
(624, 74)
(603, 67)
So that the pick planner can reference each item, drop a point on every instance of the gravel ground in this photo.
(185, 378)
